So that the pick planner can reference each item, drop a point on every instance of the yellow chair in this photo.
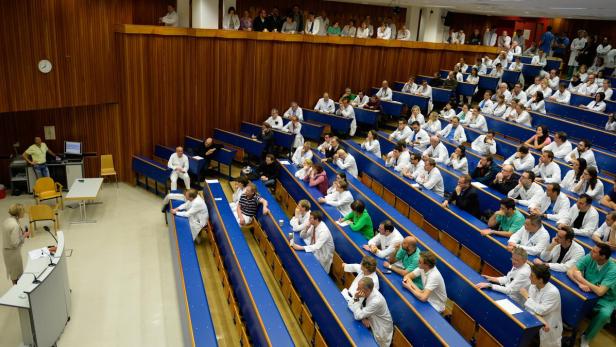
(45, 188)
(39, 213)
(107, 168)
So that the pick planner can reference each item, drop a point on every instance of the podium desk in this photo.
(44, 305)
(84, 190)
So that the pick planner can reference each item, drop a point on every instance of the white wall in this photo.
(205, 13)
(412, 21)
(183, 10)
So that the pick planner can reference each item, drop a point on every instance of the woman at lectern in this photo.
(13, 236)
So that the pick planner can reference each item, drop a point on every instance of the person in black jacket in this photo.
(486, 170)
(268, 171)
(505, 180)
(208, 151)
(334, 146)
(267, 137)
(274, 21)
(465, 197)
(260, 22)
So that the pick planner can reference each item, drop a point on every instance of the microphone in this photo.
(51, 264)
(49, 232)
(36, 280)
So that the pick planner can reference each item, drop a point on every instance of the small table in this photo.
(83, 190)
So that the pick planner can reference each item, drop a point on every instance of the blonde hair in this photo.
(17, 210)
(305, 204)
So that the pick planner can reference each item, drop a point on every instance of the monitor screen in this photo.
(71, 147)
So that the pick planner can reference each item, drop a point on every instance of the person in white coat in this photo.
(238, 185)
(402, 132)
(231, 21)
(346, 161)
(553, 205)
(319, 241)
(301, 217)
(458, 136)
(590, 184)
(383, 32)
(419, 138)
(583, 150)
(437, 150)
(312, 26)
(486, 105)
(275, 120)
(526, 190)
(369, 306)
(532, 237)
(386, 241)
(294, 110)
(485, 144)
(371, 144)
(560, 146)
(196, 210)
(577, 45)
(517, 278)
(562, 253)
(178, 163)
(325, 104)
(367, 268)
(458, 160)
(171, 18)
(521, 160)
(360, 100)
(295, 127)
(431, 177)
(477, 120)
(433, 125)
(340, 198)
(301, 154)
(384, 93)
(606, 233)
(583, 218)
(562, 95)
(399, 158)
(346, 110)
(547, 170)
(597, 105)
(543, 299)
(404, 34)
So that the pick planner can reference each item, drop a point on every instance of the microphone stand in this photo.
(51, 264)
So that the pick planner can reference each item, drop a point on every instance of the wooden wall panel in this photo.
(147, 12)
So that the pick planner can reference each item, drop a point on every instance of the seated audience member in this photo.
(574, 176)
(346, 110)
(289, 26)
(543, 300)
(610, 125)
(373, 104)
(340, 177)
(334, 30)
(547, 170)
(294, 110)
(536, 103)
(458, 135)
(518, 94)
(415, 167)
(606, 89)
(367, 268)
(349, 30)
(434, 290)
(521, 160)
(416, 116)
(505, 180)
(295, 127)
(208, 151)
(323, 147)
(431, 177)
(499, 108)
(371, 143)
(533, 88)
(399, 158)
(313, 25)
(436, 150)
(301, 217)
(458, 160)
(540, 139)
(562, 95)
(363, 31)
(319, 240)
(583, 218)
(385, 242)
(553, 205)
(419, 138)
(402, 132)
(560, 146)
(318, 178)
(348, 94)
(553, 79)
(425, 89)
(589, 184)
(346, 161)
(526, 190)
(360, 100)
(597, 105)
(238, 185)
(562, 253)
(486, 105)
(516, 65)
(596, 273)
(404, 34)
(268, 171)
(325, 104)
(384, 93)
(545, 89)
(485, 144)
(465, 197)
(517, 278)
(369, 306)
(405, 259)
(486, 170)
(178, 163)
(575, 84)
(302, 153)
(275, 120)
(433, 125)
(448, 112)
(196, 210)
(583, 150)
(341, 198)
(609, 200)
(383, 32)
(589, 87)
(304, 172)
(505, 221)
(410, 86)
(477, 120)
(520, 116)
(248, 204)
(450, 82)
(606, 233)
(331, 150)
(360, 220)
(267, 137)
(532, 237)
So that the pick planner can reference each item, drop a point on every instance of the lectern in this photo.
(42, 297)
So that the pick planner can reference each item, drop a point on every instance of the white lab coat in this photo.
(360, 102)
(521, 96)
(438, 153)
(485, 106)
(384, 94)
(377, 312)
(576, 46)
(560, 207)
(478, 122)
(312, 27)
(349, 112)
(587, 89)
(448, 114)
(170, 19)
(482, 147)
(404, 35)
(521, 164)
(524, 196)
(276, 123)
(460, 164)
(563, 98)
(596, 193)
(231, 22)
(546, 303)
(432, 180)
(325, 106)
(419, 118)
(589, 223)
(596, 106)
(534, 243)
(409, 88)
(174, 163)
(550, 172)
(433, 281)
(321, 243)
(299, 158)
(383, 33)
(589, 155)
(300, 222)
(197, 214)
(298, 112)
(399, 164)
(386, 243)
(401, 135)
(373, 147)
(363, 33)
(422, 137)
(432, 127)
(348, 164)
(356, 268)
(511, 283)
(560, 151)
(459, 135)
(573, 254)
(297, 130)
(603, 232)
(342, 201)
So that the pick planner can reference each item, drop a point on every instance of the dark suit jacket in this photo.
(468, 201)
(505, 186)
(330, 152)
(485, 175)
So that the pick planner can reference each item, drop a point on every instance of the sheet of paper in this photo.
(218, 199)
(508, 306)
(38, 253)
(285, 162)
(478, 185)
(196, 157)
(343, 224)
(416, 185)
(211, 181)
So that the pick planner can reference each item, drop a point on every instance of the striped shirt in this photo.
(249, 206)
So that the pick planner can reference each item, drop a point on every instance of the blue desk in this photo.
(411, 100)
(397, 86)
(460, 278)
(337, 123)
(364, 116)
(417, 320)
(281, 138)
(511, 77)
(263, 320)
(441, 95)
(151, 169)
(488, 83)
(195, 313)
(466, 89)
(250, 146)
(223, 156)
(577, 114)
(465, 228)
(192, 145)
(194, 165)
(392, 108)
(310, 131)
(531, 71)
(420, 78)
(315, 287)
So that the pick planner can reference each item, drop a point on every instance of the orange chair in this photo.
(107, 168)
(39, 213)
(45, 188)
